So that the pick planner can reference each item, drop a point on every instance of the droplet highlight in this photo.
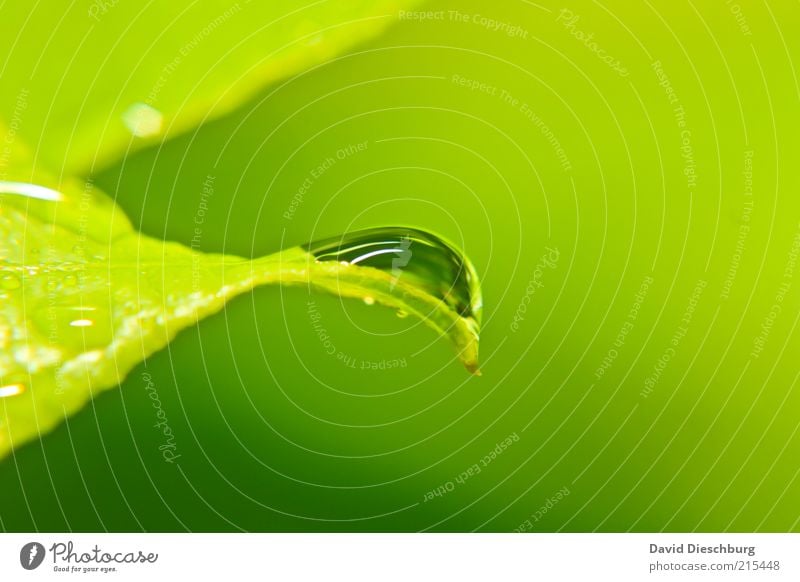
(71, 322)
(420, 271)
(11, 390)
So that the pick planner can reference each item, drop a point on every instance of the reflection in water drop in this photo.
(31, 191)
(416, 257)
(11, 390)
(143, 120)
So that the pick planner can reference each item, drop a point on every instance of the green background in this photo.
(276, 434)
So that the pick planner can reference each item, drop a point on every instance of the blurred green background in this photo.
(624, 177)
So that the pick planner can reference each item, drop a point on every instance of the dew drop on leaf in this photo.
(11, 390)
(418, 258)
(143, 120)
(73, 323)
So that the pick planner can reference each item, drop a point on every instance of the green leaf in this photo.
(85, 298)
(84, 83)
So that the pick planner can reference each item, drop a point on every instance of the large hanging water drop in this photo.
(416, 256)
(417, 262)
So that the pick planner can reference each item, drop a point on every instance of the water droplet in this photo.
(11, 390)
(415, 257)
(402, 314)
(10, 282)
(143, 120)
(369, 300)
(75, 322)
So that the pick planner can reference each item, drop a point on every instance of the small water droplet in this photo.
(76, 323)
(402, 314)
(10, 282)
(369, 300)
(143, 120)
(11, 390)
